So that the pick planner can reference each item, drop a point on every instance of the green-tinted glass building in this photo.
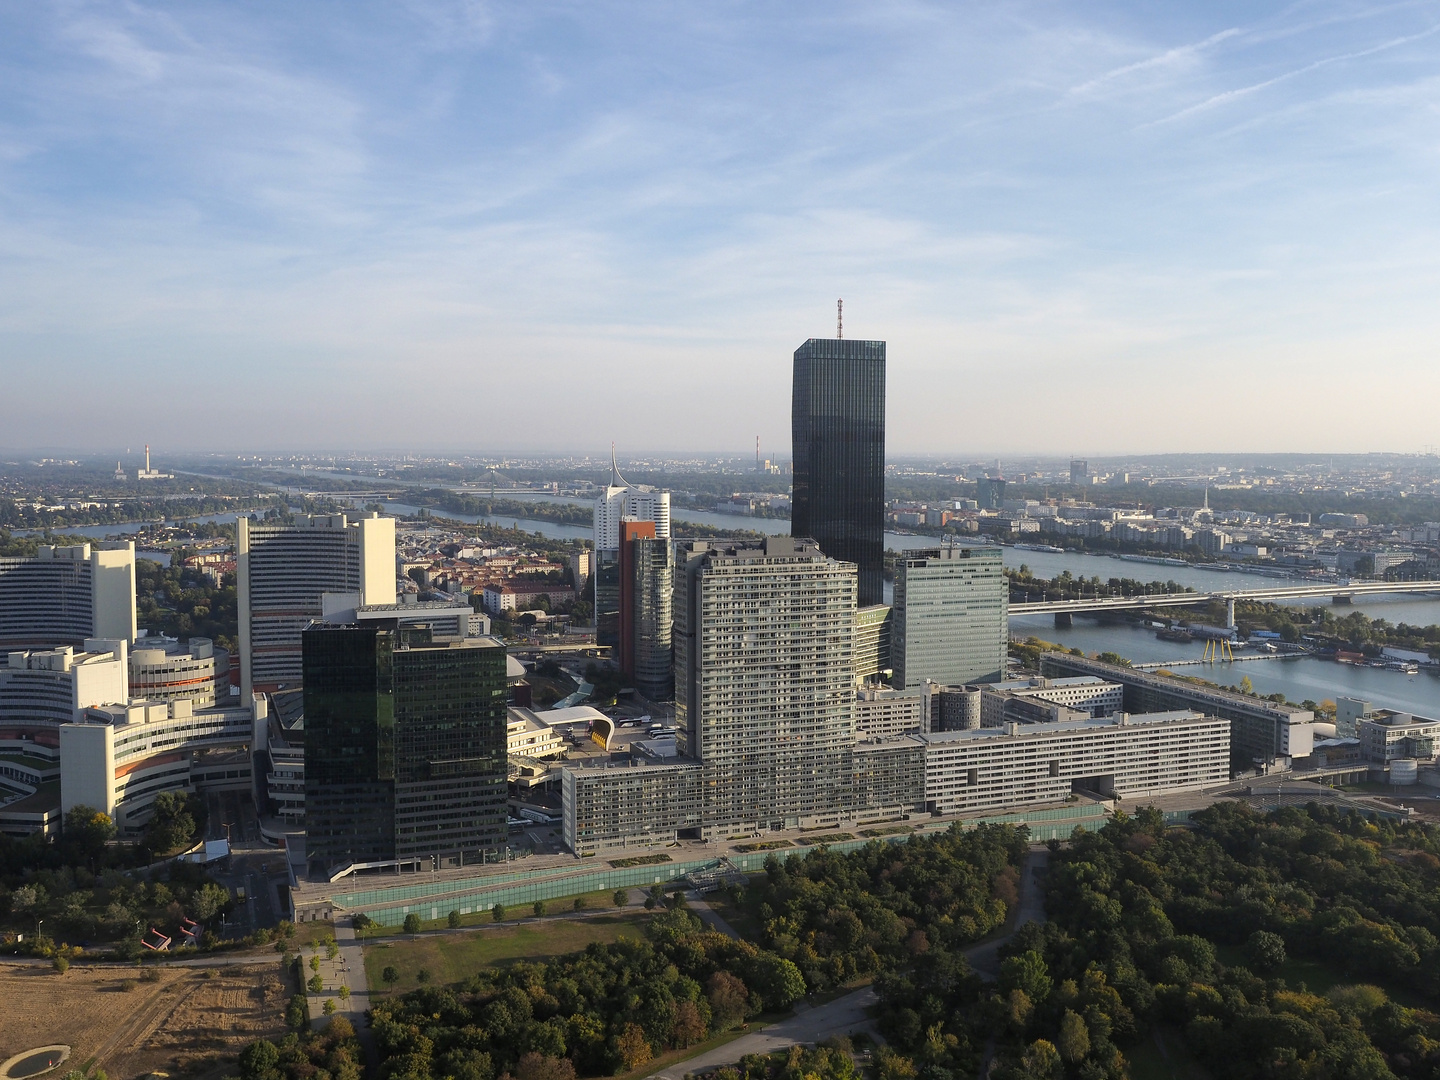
(404, 745)
(950, 620)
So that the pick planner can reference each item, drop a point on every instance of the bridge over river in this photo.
(1340, 592)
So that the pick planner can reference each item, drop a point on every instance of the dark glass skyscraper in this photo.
(838, 433)
(404, 745)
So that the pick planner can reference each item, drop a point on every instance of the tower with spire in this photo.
(618, 501)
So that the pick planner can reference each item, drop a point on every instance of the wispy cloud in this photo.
(363, 205)
(1229, 96)
(1183, 56)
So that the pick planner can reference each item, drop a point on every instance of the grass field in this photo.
(1163, 1056)
(743, 917)
(450, 958)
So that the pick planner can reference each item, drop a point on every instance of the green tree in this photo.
(1265, 952)
(297, 1013)
(209, 900)
(453, 919)
(412, 923)
(316, 984)
(579, 904)
(621, 897)
(390, 974)
(539, 907)
(1026, 972)
(497, 913)
(1073, 1040)
(258, 1060)
(1041, 1060)
(61, 964)
(172, 823)
(86, 831)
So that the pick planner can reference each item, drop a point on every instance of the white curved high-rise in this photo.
(620, 501)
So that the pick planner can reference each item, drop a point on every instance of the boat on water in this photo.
(1157, 559)
(1039, 547)
(1183, 637)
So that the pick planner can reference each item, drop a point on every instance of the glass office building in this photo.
(404, 745)
(950, 620)
(838, 433)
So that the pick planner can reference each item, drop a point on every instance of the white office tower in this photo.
(63, 595)
(619, 500)
(764, 681)
(284, 572)
(950, 620)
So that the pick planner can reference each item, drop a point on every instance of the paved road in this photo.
(850, 1013)
(839, 1017)
(984, 958)
(709, 916)
(347, 969)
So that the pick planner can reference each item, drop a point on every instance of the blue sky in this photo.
(1082, 228)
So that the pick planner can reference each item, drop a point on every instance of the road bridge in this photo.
(1340, 592)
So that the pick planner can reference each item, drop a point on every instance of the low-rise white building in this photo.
(1086, 694)
(119, 757)
(1387, 737)
(164, 670)
(1124, 756)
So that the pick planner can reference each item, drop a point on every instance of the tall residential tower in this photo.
(838, 434)
(765, 680)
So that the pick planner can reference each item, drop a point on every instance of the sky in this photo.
(465, 226)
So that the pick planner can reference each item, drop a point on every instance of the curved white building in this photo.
(64, 595)
(165, 671)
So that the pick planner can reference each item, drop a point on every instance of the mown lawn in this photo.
(451, 958)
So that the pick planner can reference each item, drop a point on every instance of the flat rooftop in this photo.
(1117, 721)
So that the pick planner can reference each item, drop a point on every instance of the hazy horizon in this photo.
(488, 228)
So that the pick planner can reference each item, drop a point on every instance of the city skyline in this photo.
(1124, 207)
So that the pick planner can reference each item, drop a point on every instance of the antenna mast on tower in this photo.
(839, 318)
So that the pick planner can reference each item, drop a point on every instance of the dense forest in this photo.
(1297, 945)
(1197, 930)
(829, 919)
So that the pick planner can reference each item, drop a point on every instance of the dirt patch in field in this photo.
(182, 1023)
